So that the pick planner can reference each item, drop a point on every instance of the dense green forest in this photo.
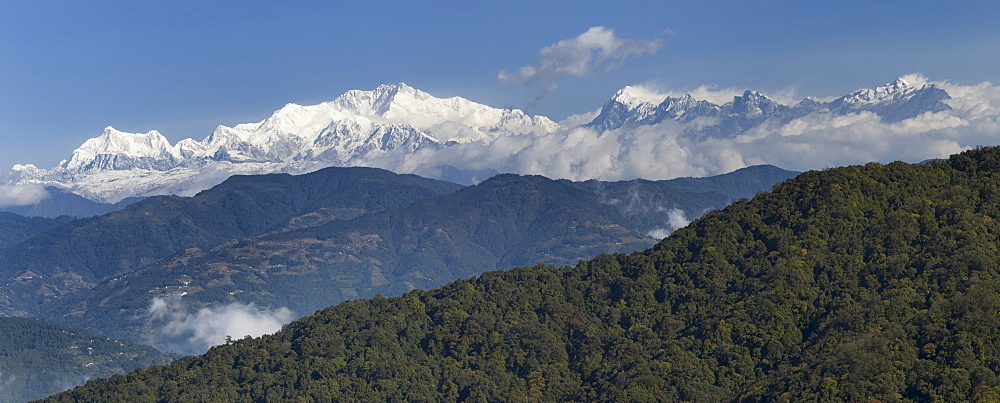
(862, 283)
(506, 221)
(38, 359)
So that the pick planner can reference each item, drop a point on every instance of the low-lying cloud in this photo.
(183, 331)
(675, 220)
(22, 195)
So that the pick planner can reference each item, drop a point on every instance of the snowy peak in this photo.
(378, 101)
(902, 99)
(115, 149)
(113, 141)
(753, 104)
(899, 89)
(633, 97)
(686, 107)
(628, 106)
(452, 119)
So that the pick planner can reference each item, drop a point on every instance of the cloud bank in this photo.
(595, 51)
(185, 332)
(673, 149)
(22, 195)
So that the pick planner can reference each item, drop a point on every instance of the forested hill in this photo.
(38, 359)
(856, 283)
(877, 281)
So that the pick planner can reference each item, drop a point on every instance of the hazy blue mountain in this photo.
(739, 184)
(62, 202)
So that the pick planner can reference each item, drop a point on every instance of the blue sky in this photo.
(68, 69)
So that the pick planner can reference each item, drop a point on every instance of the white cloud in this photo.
(597, 50)
(646, 93)
(675, 220)
(580, 119)
(22, 195)
(710, 93)
(185, 332)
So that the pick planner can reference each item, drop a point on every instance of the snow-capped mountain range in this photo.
(390, 125)
(894, 102)
(354, 129)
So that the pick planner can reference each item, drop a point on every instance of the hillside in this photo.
(75, 257)
(15, 228)
(856, 283)
(38, 359)
(506, 221)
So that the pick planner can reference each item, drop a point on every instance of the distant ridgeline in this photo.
(38, 359)
(876, 282)
(311, 241)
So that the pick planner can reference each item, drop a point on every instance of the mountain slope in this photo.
(15, 228)
(73, 258)
(38, 359)
(505, 221)
(874, 282)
